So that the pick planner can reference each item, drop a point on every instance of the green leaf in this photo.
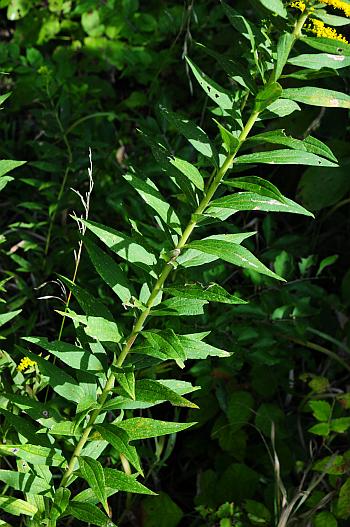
(6, 317)
(5, 96)
(89, 514)
(189, 171)
(17, 507)
(343, 503)
(316, 61)
(268, 95)
(59, 380)
(161, 511)
(91, 305)
(328, 45)
(276, 6)
(321, 410)
(126, 378)
(122, 245)
(324, 519)
(25, 482)
(239, 409)
(116, 480)
(6, 165)
(153, 391)
(192, 257)
(144, 428)
(280, 108)
(237, 72)
(340, 425)
(309, 144)
(97, 327)
(60, 503)
(178, 307)
(285, 157)
(284, 46)
(24, 427)
(197, 349)
(110, 271)
(329, 260)
(318, 97)
(119, 439)
(253, 201)
(229, 140)
(321, 429)
(75, 357)
(210, 292)
(193, 133)
(162, 344)
(320, 188)
(233, 253)
(219, 95)
(35, 454)
(93, 473)
(151, 195)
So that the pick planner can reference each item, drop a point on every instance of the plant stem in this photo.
(140, 322)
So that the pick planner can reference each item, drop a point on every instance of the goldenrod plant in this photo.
(74, 401)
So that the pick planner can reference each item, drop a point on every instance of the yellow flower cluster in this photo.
(25, 364)
(320, 30)
(299, 4)
(338, 4)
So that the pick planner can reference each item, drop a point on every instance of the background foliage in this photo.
(89, 74)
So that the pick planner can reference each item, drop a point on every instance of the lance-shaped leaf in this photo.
(119, 439)
(253, 201)
(122, 245)
(316, 61)
(6, 317)
(279, 108)
(24, 428)
(144, 427)
(285, 157)
(88, 513)
(279, 137)
(17, 507)
(180, 307)
(284, 47)
(189, 171)
(233, 253)
(126, 378)
(59, 380)
(97, 327)
(5, 96)
(162, 344)
(110, 271)
(193, 133)
(268, 95)
(28, 483)
(91, 305)
(210, 292)
(237, 72)
(151, 195)
(35, 409)
(93, 473)
(60, 503)
(318, 97)
(6, 165)
(35, 454)
(195, 348)
(115, 481)
(275, 6)
(192, 257)
(153, 391)
(69, 354)
(219, 95)
(328, 45)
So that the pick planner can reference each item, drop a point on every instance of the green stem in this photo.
(140, 322)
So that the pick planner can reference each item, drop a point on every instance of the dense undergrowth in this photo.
(105, 310)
